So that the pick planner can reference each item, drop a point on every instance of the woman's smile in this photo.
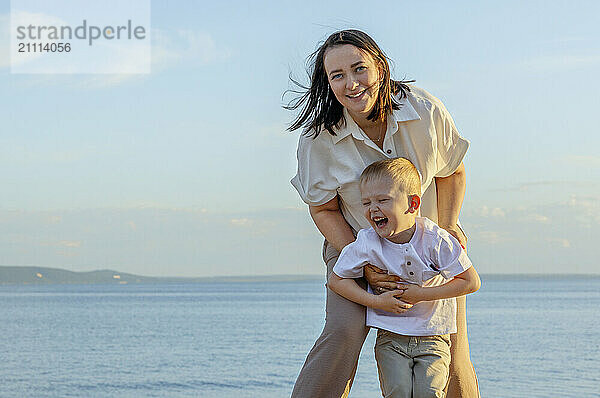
(353, 78)
(357, 95)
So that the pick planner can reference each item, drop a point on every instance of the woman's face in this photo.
(353, 77)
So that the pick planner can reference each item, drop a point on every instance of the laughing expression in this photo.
(387, 208)
(353, 77)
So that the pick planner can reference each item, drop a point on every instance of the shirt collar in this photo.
(349, 127)
(406, 112)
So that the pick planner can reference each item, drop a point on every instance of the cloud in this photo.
(584, 160)
(54, 219)
(493, 237)
(5, 37)
(586, 202)
(485, 211)
(62, 243)
(561, 62)
(297, 208)
(240, 222)
(67, 253)
(586, 209)
(70, 243)
(172, 47)
(184, 241)
(23, 18)
(538, 185)
(534, 184)
(497, 212)
(4, 40)
(128, 58)
(538, 218)
(567, 39)
(169, 49)
(28, 155)
(534, 237)
(108, 80)
(582, 209)
(559, 241)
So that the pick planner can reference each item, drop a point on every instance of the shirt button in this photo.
(411, 273)
(408, 263)
(389, 151)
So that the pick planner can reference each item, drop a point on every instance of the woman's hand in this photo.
(380, 280)
(458, 233)
(388, 302)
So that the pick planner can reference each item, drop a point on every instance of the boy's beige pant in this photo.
(412, 366)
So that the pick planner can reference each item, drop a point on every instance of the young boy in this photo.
(413, 345)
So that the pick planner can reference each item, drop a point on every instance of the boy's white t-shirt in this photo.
(430, 258)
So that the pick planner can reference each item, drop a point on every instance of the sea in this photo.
(530, 336)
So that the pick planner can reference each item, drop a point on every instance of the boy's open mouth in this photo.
(380, 221)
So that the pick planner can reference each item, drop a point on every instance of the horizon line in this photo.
(288, 275)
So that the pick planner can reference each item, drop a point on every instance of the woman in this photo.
(352, 115)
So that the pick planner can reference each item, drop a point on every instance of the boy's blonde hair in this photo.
(400, 170)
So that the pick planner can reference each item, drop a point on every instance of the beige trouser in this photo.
(330, 366)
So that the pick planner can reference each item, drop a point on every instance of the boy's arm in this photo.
(349, 289)
(462, 284)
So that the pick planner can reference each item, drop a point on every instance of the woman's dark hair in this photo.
(319, 107)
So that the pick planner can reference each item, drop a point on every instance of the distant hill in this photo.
(44, 275)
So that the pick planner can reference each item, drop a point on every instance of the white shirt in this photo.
(422, 131)
(431, 258)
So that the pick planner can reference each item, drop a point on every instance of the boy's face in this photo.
(388, 209)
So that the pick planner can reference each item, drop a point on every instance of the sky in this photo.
(185, 171)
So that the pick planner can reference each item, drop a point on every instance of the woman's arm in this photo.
(450, 195)
(333, 226)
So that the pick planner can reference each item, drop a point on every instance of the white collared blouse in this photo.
(422, 131)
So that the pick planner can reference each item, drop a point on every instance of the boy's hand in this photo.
(412, 294)
(388, 302)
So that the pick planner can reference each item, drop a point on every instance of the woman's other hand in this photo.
(458, 233)
(380, 280)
